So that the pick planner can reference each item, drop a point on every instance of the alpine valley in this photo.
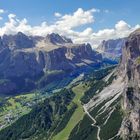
(54, 89)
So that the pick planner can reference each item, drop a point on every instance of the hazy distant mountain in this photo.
(111, 48)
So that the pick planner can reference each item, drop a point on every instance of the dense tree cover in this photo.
(84, 130)
(89, 132)
(96, 83)
(113, 125)
(2, 101)
(51, 116)
(99, 74)
(43, 120)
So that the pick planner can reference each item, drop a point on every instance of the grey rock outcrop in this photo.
(112, 48)
(130, 68)
(57, 39)
(19, 40)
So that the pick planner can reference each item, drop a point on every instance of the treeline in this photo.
(43, 120)
(96, 83)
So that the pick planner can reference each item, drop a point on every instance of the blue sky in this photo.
(38, 11)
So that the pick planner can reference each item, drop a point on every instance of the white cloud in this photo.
(120, 30)
(86, 32)
(10, 16)
(122, 26)
(1, 11)
(66, 25)
(57, 14)
(106, 11)
(78, 18)
(1, 18)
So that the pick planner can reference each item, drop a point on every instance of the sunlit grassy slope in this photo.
(77, 115)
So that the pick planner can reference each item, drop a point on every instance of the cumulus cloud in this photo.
(64, 24)
(1, 11)
(121, 29)
(11, 16)
(67, 24)
(57, 14)
(122, 26)
(106, 11)
(78, 18)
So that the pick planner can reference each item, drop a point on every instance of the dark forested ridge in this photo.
(43, 120)
(51, 116)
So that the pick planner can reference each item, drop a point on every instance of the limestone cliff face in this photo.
(112, 48)
(24, 59)
(19, 40)
(130, 69)
(57, 39)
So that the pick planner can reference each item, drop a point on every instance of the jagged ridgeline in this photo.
(103, 104)
(31, 62)
(112, 48)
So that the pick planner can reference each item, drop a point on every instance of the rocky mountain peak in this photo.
(21, 34)
(18, 40)
(131, 50)
(57, 39)
(136, 32)
(111, 48)
(25, 57)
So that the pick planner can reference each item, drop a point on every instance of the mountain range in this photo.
(30, 62)
(101, 101)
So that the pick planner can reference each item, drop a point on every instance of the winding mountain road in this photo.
(94, 123)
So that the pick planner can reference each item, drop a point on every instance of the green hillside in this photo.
(62, 116)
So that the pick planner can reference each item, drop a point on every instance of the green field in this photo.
(15, 107)
(77, 115)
